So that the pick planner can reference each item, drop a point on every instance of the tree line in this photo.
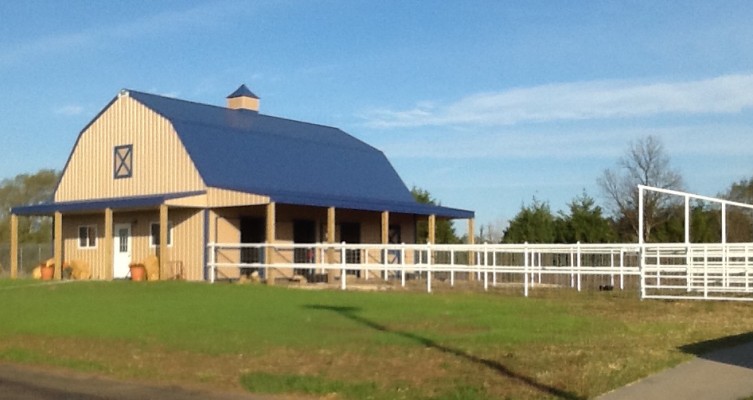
(644, 163)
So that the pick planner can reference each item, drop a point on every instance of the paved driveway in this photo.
(725, 374)
(27, 383)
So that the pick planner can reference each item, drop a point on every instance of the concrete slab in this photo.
(725, 374)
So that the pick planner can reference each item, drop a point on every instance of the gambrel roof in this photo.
(292, 162)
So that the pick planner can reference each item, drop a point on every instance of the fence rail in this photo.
(523, 265)
(657, 271)
(676, 271)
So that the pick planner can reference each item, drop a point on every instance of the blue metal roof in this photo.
(290, 161)
(134, 202)
(242, 91)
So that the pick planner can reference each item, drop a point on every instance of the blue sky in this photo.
(484, 104)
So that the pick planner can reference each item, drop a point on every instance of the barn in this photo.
(157, 176)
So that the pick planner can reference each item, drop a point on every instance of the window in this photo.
(123, 161)
(87, 236)
(154, 242)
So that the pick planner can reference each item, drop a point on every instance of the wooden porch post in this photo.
(385, 227)
(108, 243)
(58, 245)
(432, 229)
(331, 234)
(270, 232)
(13, 246)
(163, 228)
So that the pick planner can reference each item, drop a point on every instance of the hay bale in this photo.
(151, 264)
(79, 269)
(36, 273)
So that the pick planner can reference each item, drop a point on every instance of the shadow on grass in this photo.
(734, 350)
(351, 313)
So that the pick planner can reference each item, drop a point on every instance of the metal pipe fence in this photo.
(29, 256)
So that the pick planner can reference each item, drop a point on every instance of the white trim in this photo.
(170, 240)
(88, 238)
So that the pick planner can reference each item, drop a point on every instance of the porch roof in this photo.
(99, 204)
(282, 198)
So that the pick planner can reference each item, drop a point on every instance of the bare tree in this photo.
(644, 163)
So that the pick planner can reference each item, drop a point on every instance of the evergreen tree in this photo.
(445, 230)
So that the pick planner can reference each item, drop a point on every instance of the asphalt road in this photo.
(28, 383)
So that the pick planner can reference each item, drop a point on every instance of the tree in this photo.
(645, 163)
(585, 223)
(445, 230)
(491, 232)
(740, 220)
(26, 189)
(532, 224)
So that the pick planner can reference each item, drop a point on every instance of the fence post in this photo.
(611, 267)
(705, 272)
(402, 264)
(210, 267)
(688, 268)
(385, 262)
(622, 266)
(572, 268)
(746, 264)
(577, 247)
(642, 269)
(452, 267)
(525, 269)
(428, 267)
(343, 276)
(494, 268)
(486, 267)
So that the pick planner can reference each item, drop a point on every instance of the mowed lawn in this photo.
(354, 345)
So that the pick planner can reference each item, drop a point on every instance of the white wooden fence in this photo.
(663, 271)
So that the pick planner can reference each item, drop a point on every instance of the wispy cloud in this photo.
(577, 101)
(151, 24)
(567, 144)
(69, 110)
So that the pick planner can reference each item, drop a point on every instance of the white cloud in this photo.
(577, 101)
(558, 143)
(151, 24)
(69, 110)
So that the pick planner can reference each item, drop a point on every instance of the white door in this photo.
(122, 250)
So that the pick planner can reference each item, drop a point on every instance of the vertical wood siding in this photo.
(188, 244)
(160, 162)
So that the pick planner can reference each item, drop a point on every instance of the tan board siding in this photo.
(189, 232)
(92, 256)
(187, 248)
(160, 163)
(230, 198)
(214, 198)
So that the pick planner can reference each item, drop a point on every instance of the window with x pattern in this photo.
(123, 161)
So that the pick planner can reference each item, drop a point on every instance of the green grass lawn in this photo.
(380, 345)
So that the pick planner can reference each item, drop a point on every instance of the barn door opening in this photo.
(350, 233)
(252, 231)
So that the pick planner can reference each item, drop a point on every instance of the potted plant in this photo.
(138, 271)
(47, 271)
